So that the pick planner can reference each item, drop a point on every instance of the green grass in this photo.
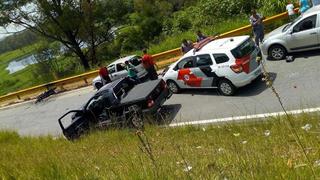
(20, 79)
(238, 151)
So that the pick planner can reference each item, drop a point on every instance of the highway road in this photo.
(297, 83)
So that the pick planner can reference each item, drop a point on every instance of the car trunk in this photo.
(141, 92)
(246, 54)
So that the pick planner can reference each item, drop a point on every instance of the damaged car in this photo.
(121, 103)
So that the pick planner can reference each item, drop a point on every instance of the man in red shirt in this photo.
(104, 74)
(149, 64)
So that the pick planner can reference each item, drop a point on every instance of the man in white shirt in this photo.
(291, 13)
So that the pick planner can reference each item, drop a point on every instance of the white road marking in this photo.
(248, 117)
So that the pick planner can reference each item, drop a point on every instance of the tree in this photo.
(80, 25)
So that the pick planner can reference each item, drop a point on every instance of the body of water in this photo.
(19, 64)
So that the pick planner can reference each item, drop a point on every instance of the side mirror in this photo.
(290, 31)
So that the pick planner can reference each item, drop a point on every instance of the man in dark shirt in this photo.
(149, 64)
(200, 36)
(186, 46)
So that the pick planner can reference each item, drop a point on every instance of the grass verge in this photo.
(256, 150)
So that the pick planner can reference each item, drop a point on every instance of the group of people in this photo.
(256, 19)
(187, 45)
(147, 62)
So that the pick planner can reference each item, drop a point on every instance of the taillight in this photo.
(150, 103)
(237, 68)
(242, 65)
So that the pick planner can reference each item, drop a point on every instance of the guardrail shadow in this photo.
(253, 89)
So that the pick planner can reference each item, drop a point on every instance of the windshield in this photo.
(290, 24)
(244, 49)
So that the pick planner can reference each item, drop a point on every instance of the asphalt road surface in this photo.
(296, 82)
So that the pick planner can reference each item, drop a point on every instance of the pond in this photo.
(19, 64)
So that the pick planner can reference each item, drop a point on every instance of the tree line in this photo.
(98, 29)
(18, 40)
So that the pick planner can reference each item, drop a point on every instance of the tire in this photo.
(173, 87)
(226, 87)
(277, 52)
(98, 85)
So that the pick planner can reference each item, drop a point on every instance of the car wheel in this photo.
(277, 52)
(98, 85)
(226, 87)
(173, 87)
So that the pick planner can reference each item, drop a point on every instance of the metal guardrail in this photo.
(162, 59)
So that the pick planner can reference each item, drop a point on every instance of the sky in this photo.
(11, 28)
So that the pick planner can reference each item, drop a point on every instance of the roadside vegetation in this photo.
(249, 150)
(143, 25)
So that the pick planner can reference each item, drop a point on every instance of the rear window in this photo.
(244, 49)
(220, 58)
(203, 60)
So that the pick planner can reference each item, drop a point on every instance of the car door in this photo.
(136, 61)
(112, 70)
(221, 68)
(203, 69)
(120, 72)
(304, 35)
(185, 76)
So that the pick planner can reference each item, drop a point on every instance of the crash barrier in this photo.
(162, 60)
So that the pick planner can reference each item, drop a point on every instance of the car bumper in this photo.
(264, 48)
(166, 94)
(248, 78)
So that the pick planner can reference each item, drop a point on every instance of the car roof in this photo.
(313, 10)
(220, 44)
(122, 60)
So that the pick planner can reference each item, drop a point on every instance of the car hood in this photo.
(275, 32)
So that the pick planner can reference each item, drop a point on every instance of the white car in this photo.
(300, 35)
(225, 64)
(117, 70)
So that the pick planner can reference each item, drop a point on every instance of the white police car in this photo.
(225, 64)
(117, 70)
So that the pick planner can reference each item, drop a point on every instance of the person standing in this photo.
(200, 36)
(149, 64)
(256, 21)
(290, 9)
(186, 46)
(132, 72)
(304, 6)
(104, 74)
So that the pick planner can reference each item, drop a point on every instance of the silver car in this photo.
(117, 70)
(300, 35)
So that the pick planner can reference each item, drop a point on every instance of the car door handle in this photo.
(313, 33)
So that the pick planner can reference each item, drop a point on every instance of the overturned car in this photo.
(120, 103)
